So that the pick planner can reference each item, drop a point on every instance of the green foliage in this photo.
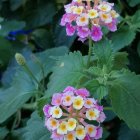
(8, 26)
(3, 132)
(67, 73)
(122, 38)
(127, 133)
(36, 133)
(133, 2)
(107, 78)
(22, 87)
(125, 98)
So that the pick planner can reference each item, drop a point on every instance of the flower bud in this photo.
(20, 59)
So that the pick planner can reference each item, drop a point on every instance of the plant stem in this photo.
(27, 69)
(89, 52)
(107, 108)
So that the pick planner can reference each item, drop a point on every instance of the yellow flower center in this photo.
(63, 127)
(90, 129)
(70, 136)
(53, 123)
(105, 16)
(68, 98)
(92, 114)
(56, 112)
(88, 102)
(82, 19)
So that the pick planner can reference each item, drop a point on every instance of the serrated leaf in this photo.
(122, 38)
(67, 73)
(101, 92)
(125, 96)
(120, 60)
(35, 129)
(104, 55)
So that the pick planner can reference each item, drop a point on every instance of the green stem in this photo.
(90, 52)
(31, 106)
(107, 108)
(27, 69)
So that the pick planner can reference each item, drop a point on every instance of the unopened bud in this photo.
(20, 59)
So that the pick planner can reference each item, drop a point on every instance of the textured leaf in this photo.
(104, 55)
(122, 38)
(125, 98)
(67, 73)
(101, 92)
(120, 60)
(35, 129)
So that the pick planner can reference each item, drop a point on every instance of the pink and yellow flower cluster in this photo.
(73, 115)
(87, 17)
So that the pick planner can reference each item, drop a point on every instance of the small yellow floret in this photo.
(71, 124)
(62, 129)
(80, 132)
(78, 103)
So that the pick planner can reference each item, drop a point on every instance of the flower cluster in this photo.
(73, 115)
(87, 17)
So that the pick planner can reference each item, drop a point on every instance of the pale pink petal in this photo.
(82, 92)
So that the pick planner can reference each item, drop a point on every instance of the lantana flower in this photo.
(74, 115)
(87, 17)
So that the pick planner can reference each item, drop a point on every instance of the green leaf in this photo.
(41, 15)
(35, 129)
(104, 55)
(120, 60)
(138, 49)
(125, 96)
(6, 51)
(8, 26)
(22, 88)
(66, 73)
(92, 86)
(40, 104)
(122, 38)
(15, 4)
(128, 134)
(3, 132)
(135, 21)
(101, 92)
(133, 3)
(15, 96)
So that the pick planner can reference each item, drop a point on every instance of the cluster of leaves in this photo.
(32, 28)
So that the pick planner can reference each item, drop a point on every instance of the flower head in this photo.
(69, 117)
(85, 14)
